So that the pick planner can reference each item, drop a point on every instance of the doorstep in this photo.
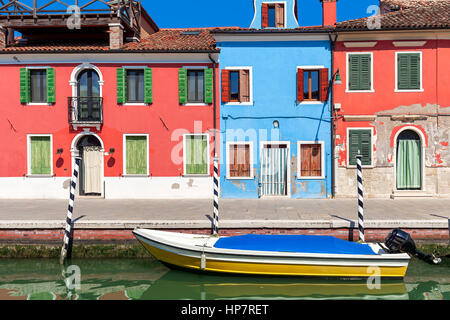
(410, 194)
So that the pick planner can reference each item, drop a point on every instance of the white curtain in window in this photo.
(92, 165)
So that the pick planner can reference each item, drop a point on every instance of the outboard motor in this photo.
(400, 241)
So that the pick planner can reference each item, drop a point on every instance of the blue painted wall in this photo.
(274, 85)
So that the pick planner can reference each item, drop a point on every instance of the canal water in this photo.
(146, 279)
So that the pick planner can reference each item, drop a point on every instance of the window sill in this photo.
(193, 104)
(135, 104)
(238, 103)
(39, 176)
(359, 91)
(311, 102)
(43, 104)
(196, 175)
(310, 178)
(406, 90)
(135, 176)
(240, 178)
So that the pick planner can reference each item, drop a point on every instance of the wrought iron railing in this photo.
(85, 109)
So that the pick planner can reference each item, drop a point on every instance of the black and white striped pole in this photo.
(360, 198)
(66, 250)
(215, 227)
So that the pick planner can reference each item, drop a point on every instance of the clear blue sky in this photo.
(220, 13)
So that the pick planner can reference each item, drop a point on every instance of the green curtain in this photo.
(136, 154)
(409, 164)
(196, 154)
(40, 155)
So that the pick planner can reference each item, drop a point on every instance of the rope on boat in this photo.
(67, 245)
(215, 228)
(360, 198)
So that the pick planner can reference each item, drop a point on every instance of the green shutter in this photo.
(148, 85)
(40, 155)
(196, 154)
(408, 71)
(136, 155)
(51, 98)
(360, 72)
(209, 85)
(121, 85)
(360, 140)
(25, 93)
(182, 85)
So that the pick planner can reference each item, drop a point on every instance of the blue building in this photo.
(275, 112)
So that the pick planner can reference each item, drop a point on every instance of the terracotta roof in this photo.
(165, 40)
(406, 4)
(436, 16)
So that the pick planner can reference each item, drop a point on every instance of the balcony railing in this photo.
(85, 110)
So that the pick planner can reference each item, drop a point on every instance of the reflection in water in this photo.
(118, 279)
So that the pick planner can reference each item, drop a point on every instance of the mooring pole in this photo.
(215, 228)
(66, 251)
(360, 197)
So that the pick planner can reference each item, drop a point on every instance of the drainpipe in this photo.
(214, 62)
(333, 120)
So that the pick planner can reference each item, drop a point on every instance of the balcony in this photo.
(85, 112)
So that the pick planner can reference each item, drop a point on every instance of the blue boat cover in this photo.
(293, 243)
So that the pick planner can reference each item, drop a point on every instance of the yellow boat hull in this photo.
(213, 263)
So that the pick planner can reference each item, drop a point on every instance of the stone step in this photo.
(410, 194)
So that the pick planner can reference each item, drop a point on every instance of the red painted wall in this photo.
(435, 83)
(18, 120)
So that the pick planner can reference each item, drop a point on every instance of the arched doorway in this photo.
(409, 161)
(90, 179)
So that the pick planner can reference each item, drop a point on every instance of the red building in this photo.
(135, 102)
(393, 104)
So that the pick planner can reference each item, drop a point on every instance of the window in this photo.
(196, 154)
(40, 155)
(273, 15)
(359, 72)
(311, 160)
(195, 85)
(236, 85)
(311, 85)
(360, 140)
(136, 155)
(409, 71)
(239, 160)
(37, 85)
(135, 85)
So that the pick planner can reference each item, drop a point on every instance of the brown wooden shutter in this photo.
(265, 15)
(279, 15)
(300, 85)
(311, 160)
(244, 86)
(225, 85)
(323, 83)
(239, 160)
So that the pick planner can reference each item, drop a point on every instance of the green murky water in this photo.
(43, 279)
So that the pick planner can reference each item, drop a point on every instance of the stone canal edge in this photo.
(109, 231)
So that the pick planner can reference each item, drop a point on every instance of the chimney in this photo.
(329, 12)
(115, 36)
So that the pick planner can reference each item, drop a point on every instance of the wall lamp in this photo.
(59, 151)
(337, 78)
(112, 150)
(276, 124)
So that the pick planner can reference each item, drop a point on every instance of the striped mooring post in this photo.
(360, 198)
(66, 250)
(215, 226)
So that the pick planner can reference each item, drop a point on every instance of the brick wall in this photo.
(124, 235)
